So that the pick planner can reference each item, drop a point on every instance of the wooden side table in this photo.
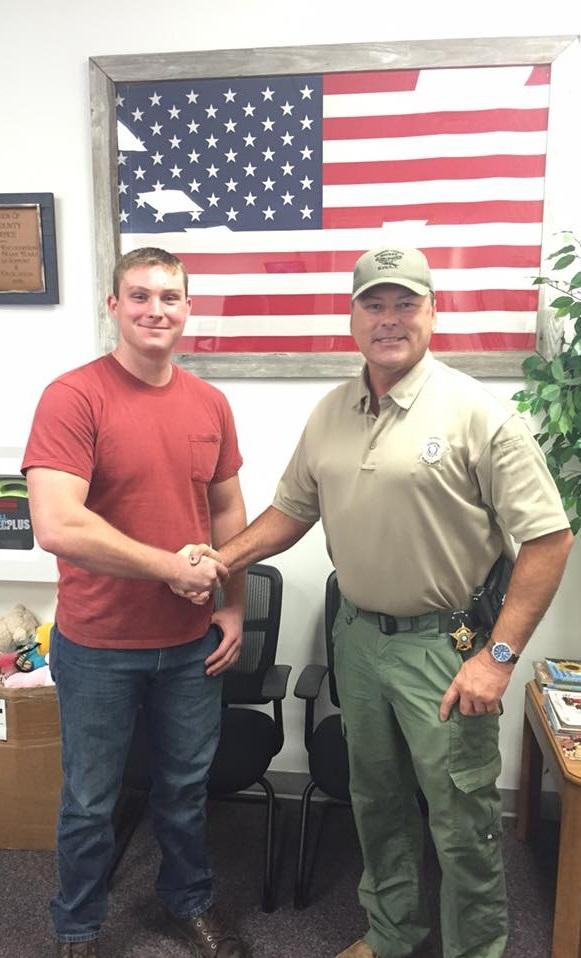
(540, 745)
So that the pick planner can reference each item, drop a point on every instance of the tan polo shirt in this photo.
(417, 502)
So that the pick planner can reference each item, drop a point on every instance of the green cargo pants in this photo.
(390, 687)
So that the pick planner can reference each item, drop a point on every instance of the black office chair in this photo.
(250, 738)
(325, 744)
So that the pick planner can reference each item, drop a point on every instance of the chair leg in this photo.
(268, 901)
(300, 884)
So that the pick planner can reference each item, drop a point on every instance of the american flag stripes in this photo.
(269, 188)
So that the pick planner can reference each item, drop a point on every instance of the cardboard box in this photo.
(30, 767)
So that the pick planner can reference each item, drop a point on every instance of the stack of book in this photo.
(564, 674)
(560, 681)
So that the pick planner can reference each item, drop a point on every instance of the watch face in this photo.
(501, 652)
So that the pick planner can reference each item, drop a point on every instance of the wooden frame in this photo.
(561, 52)
(27, 218)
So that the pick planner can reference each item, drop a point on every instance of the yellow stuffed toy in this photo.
(43, 637)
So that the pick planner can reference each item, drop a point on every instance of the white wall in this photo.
(45, 147)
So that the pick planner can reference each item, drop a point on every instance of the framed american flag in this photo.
(268, 171)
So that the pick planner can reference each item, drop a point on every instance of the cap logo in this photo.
(388, 258)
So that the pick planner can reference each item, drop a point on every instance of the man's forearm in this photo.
(99, 548)
(87, 540)
(225, 526)
(272, 532)
(83, 538)
(480, 684)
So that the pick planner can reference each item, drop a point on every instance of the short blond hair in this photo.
(148, 256)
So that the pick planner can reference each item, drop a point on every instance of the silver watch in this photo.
(501, 652)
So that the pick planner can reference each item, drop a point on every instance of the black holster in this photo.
(487, 599)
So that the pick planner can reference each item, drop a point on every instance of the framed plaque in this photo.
(28, 260)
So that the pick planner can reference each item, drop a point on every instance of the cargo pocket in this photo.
(471, 779)
(474, 766)
(473, 745)
(473, 841)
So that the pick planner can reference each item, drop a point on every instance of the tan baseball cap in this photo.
(392, 264)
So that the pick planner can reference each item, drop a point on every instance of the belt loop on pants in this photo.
(390, 624)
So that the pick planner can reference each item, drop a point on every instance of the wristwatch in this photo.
(501, 652)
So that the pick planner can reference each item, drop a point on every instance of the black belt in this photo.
(445, 621)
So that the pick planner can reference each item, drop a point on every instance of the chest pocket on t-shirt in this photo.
(204, 451)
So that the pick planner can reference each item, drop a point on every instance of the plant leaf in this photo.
(565, 261)
(533, 362)
(565, 424)
(551, 392)
(559, 252)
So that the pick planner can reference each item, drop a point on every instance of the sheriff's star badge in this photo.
(463, 638)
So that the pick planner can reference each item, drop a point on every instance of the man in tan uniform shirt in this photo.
(420, 478)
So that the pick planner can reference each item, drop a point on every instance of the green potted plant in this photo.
(552, 393)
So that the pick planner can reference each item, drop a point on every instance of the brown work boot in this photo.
(359, 949)
(208, 936)
(77, 949)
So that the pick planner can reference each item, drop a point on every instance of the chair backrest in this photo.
(332, 603)
(243, 682)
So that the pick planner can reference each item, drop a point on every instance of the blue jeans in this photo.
(99, 692)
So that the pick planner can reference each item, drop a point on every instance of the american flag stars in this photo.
(229, 133)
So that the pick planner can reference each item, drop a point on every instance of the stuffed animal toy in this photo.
(29, 680)
(43, 637)
(7, 665)
(29, 658)
(17, 628)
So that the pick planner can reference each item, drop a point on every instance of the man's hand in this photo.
(478, 687)
(199, 572)
(228, 652)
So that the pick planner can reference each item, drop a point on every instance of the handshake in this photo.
(200, 571)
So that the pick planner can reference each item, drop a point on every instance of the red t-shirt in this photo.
(149, 454)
